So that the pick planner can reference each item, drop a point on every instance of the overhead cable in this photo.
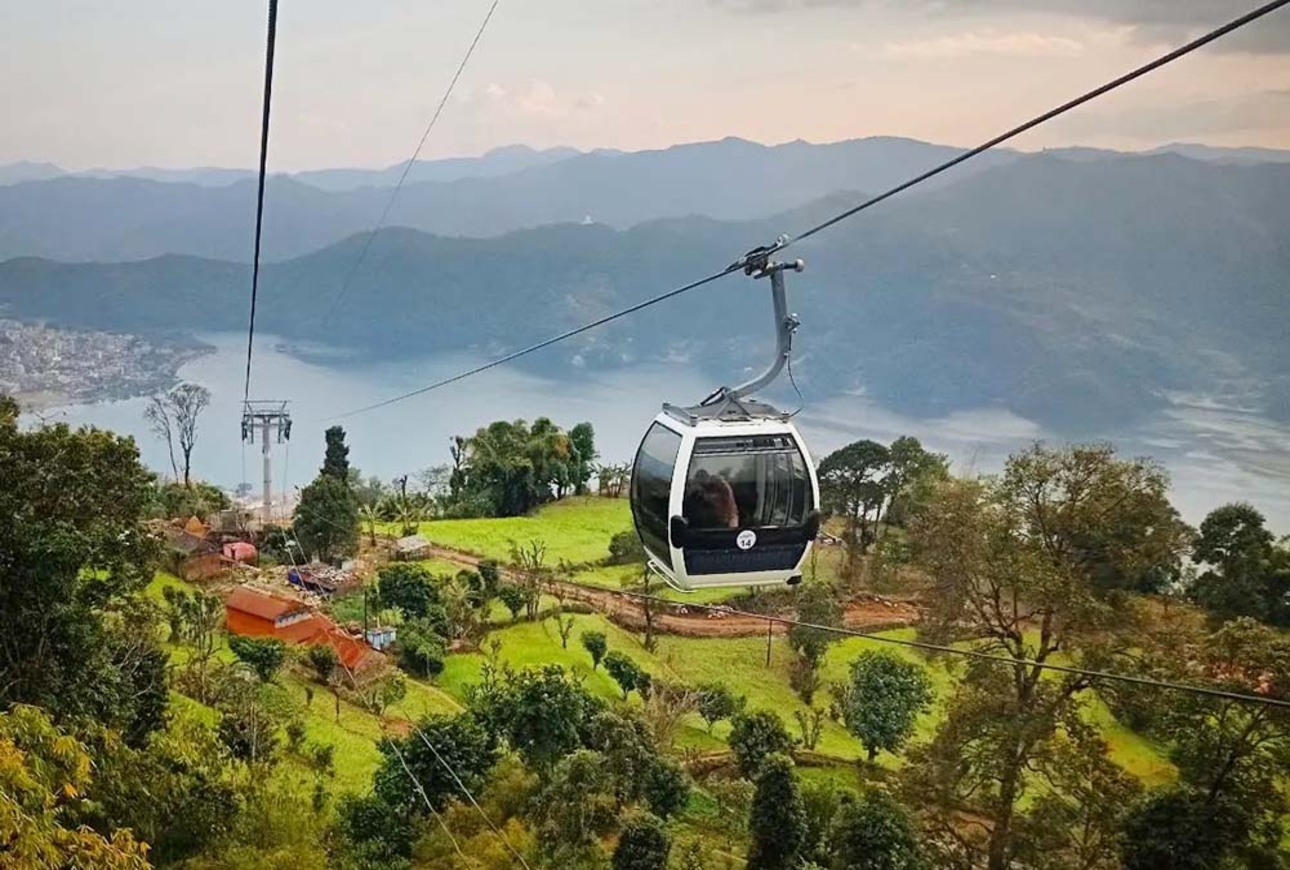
(1172, 56)
(407, 167)
(270, 42)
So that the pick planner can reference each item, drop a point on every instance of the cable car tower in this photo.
(273, 420)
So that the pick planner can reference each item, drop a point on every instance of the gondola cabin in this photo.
(725, 499)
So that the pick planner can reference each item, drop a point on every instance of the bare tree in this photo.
(187, 401)
(158, 416)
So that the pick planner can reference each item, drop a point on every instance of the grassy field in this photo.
(576, 530)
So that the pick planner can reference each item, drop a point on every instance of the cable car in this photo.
(724, 493)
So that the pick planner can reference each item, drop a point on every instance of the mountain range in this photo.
(1077, 290)
(206, 213)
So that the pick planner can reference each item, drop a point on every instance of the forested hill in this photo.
(1073, 292)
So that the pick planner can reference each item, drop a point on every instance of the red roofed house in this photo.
(251, 612)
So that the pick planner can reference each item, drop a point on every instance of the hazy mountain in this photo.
(1075, 293)
(499, 161)
(25, 170)
(1224, 155)
(127, 218)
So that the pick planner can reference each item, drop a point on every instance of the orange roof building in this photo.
(249, 611)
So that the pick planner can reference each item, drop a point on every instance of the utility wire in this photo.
(1138, 73)
(952, 650)
(461, 785)
(407, 167)
(734, 267)
(270, 42)
(1172, 56)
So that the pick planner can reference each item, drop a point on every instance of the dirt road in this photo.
(871, 613)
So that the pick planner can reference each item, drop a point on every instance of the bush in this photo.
(643, 845)
(625, 672)
(756, 735)
(594, 642)
(421, 651)
(625, 548)
(264, 655)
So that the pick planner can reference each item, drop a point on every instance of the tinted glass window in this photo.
(750, 481)
(652, 488)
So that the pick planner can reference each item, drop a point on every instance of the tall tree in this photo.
(75, 553)
(851, 487)
(336, 458)
(1247, 574)
(582, 438)
(873, 832)
(777, 820)
(173, 417)
(911, 471)
(462, 744)
(326, 519)
(1034, 563)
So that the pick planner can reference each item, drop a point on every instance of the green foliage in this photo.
(578, 804)
(851, 487)
(249, 731)
(625, 672)
(514, 597)
(717, 702)
(336, 458)
(74, 554)
(1180, 830)
(874, 833)
(43, 774)
(409, 587)
(643, 844)
(375, 834)
(583, 456)
(666, 787)
(1250, 575)
(625, 548)
(755, 736)
(543, 714)
(490, 572)
(596, 645)
(886, 694)
(264, 655)
(509, 468)
(462, 744)
(777, 822)
(817, 604)
(322, 658)
(421, 651)
(326, 519)
(171, 499)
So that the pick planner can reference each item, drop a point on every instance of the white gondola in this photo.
(724, 493)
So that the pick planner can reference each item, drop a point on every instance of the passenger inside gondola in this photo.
(710, 503)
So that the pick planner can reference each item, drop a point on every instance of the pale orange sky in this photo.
(97, 83)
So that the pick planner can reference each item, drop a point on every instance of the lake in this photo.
(1214, 453)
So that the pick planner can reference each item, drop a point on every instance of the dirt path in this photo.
(871, 613)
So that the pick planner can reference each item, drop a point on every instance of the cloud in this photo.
(1153, 21)
(1188, 120)
(1010, 44)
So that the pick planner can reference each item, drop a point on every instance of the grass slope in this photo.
(576, 530)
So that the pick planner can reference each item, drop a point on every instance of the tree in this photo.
(514, 598)
(1030, 563)
(173, 417)
(578, 804)
(625, 672)
(438, 747)
(1249, 575)
(326, 519)
(625, 548)
(886, 695)
(874, 833)
(44, 775)
(817, 605)
(595, 644)
(666, 788)
(264, 655)
(717, 702)
(336, 459)
(754, 737)
(564, 626)
(911, 470)
(530, 564)
(582, 440)
(370, 516)
(777, 821)
(75, 555)
(421, 650)
(322, 658)
(1177, 829)
(643, 844)
(409, 587)
(851, 487)
(543, 714)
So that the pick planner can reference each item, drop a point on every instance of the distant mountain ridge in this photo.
(78, 218)
(1075, 293)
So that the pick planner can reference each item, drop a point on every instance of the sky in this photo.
(106, 83)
